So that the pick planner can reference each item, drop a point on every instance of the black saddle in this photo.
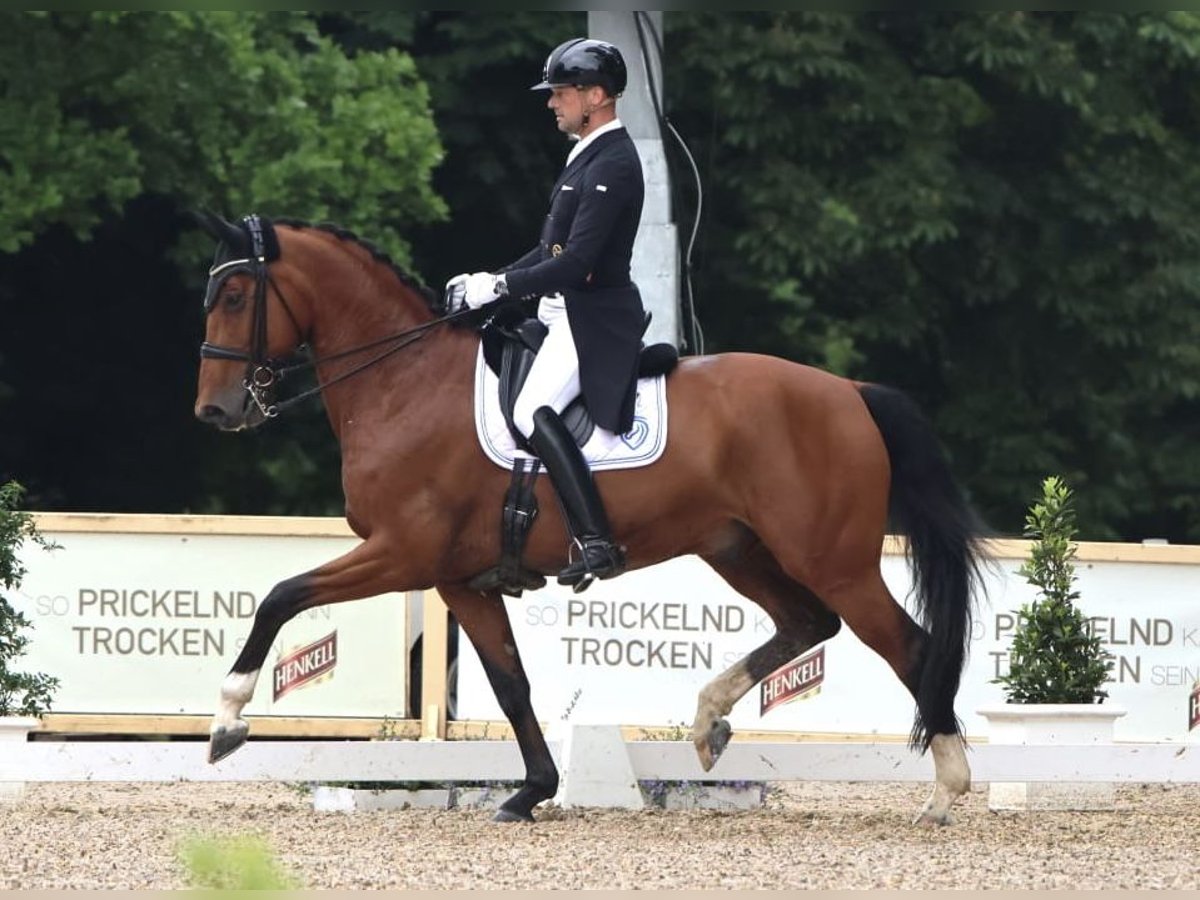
(511, 340)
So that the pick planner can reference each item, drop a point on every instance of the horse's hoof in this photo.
(718, 738)
(929, 819)
(507, 815)
(224, 740)
(710, 747)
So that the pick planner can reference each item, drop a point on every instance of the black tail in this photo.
(944, 554)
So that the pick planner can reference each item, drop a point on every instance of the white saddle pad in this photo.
(640, 446)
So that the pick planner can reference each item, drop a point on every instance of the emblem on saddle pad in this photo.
(637, 434)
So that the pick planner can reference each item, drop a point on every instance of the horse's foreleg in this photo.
(360, 573)
(485, 620)
(229, 730)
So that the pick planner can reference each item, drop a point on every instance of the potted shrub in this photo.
(1057, 667)
(24, 696)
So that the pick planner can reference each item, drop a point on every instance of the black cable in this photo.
(694, 334)
(637, 21)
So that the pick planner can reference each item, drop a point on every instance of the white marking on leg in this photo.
(714, 703)
(952, 778)
(725, 690)
(236, 691)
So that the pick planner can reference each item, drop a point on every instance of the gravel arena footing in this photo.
(807, 835)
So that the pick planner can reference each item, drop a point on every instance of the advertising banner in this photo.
(150, 623)
(637, 650)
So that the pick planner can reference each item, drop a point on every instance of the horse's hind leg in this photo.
(360, 573)
(872, 613)
(801, 621)
(485, 620)
(952, 779)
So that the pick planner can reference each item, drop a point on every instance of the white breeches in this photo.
(554, 377)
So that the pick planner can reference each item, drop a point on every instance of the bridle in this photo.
(263, 372)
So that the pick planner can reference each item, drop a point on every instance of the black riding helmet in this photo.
(584, 62)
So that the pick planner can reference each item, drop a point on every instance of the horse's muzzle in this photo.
(246, 416)
(211, 414)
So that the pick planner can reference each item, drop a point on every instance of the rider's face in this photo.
(569, 104)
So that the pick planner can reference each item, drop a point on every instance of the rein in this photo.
(263, 373)
(279, 371)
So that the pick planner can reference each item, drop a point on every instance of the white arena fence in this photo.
(467, 761)
(141, 616)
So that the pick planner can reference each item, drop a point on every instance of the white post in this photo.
(594, 769)
(14, 728)
(656, 252)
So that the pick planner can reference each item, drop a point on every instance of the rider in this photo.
(580, 270)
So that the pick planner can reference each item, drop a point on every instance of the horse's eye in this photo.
(235, 300)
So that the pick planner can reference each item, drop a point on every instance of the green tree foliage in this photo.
(112, 124)
(994, 210)
(1054, 656)
(990, 209)
(238, 111)
(503, 152)
(21, 693)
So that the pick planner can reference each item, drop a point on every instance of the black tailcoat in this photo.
(584, 253)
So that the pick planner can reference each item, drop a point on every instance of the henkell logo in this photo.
(800, 678)
(1194, 707)
(305, 665)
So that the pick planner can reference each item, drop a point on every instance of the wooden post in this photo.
(435, 627)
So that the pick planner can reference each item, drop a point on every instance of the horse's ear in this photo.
(226, 232)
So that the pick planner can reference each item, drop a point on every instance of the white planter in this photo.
(344, 799)
(696, 795)
(14, 728)
(1049, 724)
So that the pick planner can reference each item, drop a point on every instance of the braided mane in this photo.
(430, 297)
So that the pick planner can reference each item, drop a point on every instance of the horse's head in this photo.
(250, 325)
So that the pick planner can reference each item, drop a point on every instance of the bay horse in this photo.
(781, 476)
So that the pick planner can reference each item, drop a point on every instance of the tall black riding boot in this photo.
(597, 556)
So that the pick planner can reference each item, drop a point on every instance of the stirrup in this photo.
(598, 558)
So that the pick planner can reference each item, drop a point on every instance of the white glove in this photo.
(484, 287)
(456, 289)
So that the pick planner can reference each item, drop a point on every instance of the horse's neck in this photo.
(401, 377)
